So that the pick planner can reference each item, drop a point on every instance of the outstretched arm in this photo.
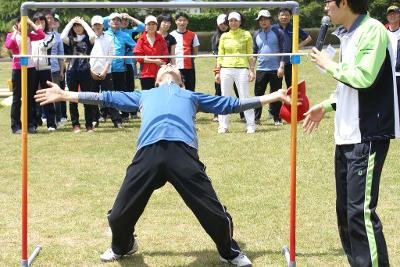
(54, 94)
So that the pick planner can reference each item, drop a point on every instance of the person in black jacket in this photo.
(78, 39)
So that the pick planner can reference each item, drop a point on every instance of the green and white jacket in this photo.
(366, 99)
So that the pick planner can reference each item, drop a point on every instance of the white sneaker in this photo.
(240, 261)
(109, 254)
(222, 130)
(51, 129)
(251, 130)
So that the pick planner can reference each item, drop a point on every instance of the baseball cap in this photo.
(393, 9)
(221, 19)
(234, 15)
(285, 112)
(57, 17)
(149, 19)
(263, 13)
(114, 15)
(96, 20)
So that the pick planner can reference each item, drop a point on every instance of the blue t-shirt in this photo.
(268, 42)
(122, 42)
(168, 112)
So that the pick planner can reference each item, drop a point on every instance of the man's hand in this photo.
(320, 58)
(217, 78)
(50, 95)
(280, 72)
(252, 76)
(313, 117)
(283, 96)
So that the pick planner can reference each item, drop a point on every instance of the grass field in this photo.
(74, 178)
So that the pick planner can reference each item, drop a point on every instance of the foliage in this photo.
(311, 13)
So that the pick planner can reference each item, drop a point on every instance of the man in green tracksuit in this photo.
(366, 101)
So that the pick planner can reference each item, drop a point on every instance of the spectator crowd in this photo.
(120, 34)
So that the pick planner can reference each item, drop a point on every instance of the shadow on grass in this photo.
(211, 258)
(330, 252)
(202, 258)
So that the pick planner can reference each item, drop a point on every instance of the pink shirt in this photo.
(14, 46)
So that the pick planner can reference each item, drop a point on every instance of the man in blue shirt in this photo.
(167, 152)
(270, 70)
(284, 17)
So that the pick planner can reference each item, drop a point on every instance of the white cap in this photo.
(221, 19)
(234, 15)
(114, 15)
(263, 13)
(96, 20)
(149, 19)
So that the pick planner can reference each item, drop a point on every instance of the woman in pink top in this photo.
(13, 43)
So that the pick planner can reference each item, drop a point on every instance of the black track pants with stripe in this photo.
(179, 164)
(358, 169)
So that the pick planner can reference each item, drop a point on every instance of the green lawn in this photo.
(74, 178)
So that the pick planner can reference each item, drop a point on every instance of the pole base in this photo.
(27, 263)
(286, 254)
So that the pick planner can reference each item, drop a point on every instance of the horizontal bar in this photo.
(169, 56)
(41, 5)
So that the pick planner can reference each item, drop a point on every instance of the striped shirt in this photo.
(184, 46)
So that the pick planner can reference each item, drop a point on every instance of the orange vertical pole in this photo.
(293, 143)
(24, 141)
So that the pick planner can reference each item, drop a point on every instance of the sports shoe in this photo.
(251, 130)
(89, 129)
(240, 261)
(76, 129)
(118, 125)
(222, 130)
(135, 116)
(32, 130)
(109, 254)
(63, 120)
(17, 131)
(278, 123)
(215, 119)
(51, 129)
(102, 119)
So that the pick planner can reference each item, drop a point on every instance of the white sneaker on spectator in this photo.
(251, 129)
(51, 129)
(109, 254)
(240, 261)
(222, 130)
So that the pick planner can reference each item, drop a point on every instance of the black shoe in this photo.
(17, 131)
(32, 130)
(118, 125)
